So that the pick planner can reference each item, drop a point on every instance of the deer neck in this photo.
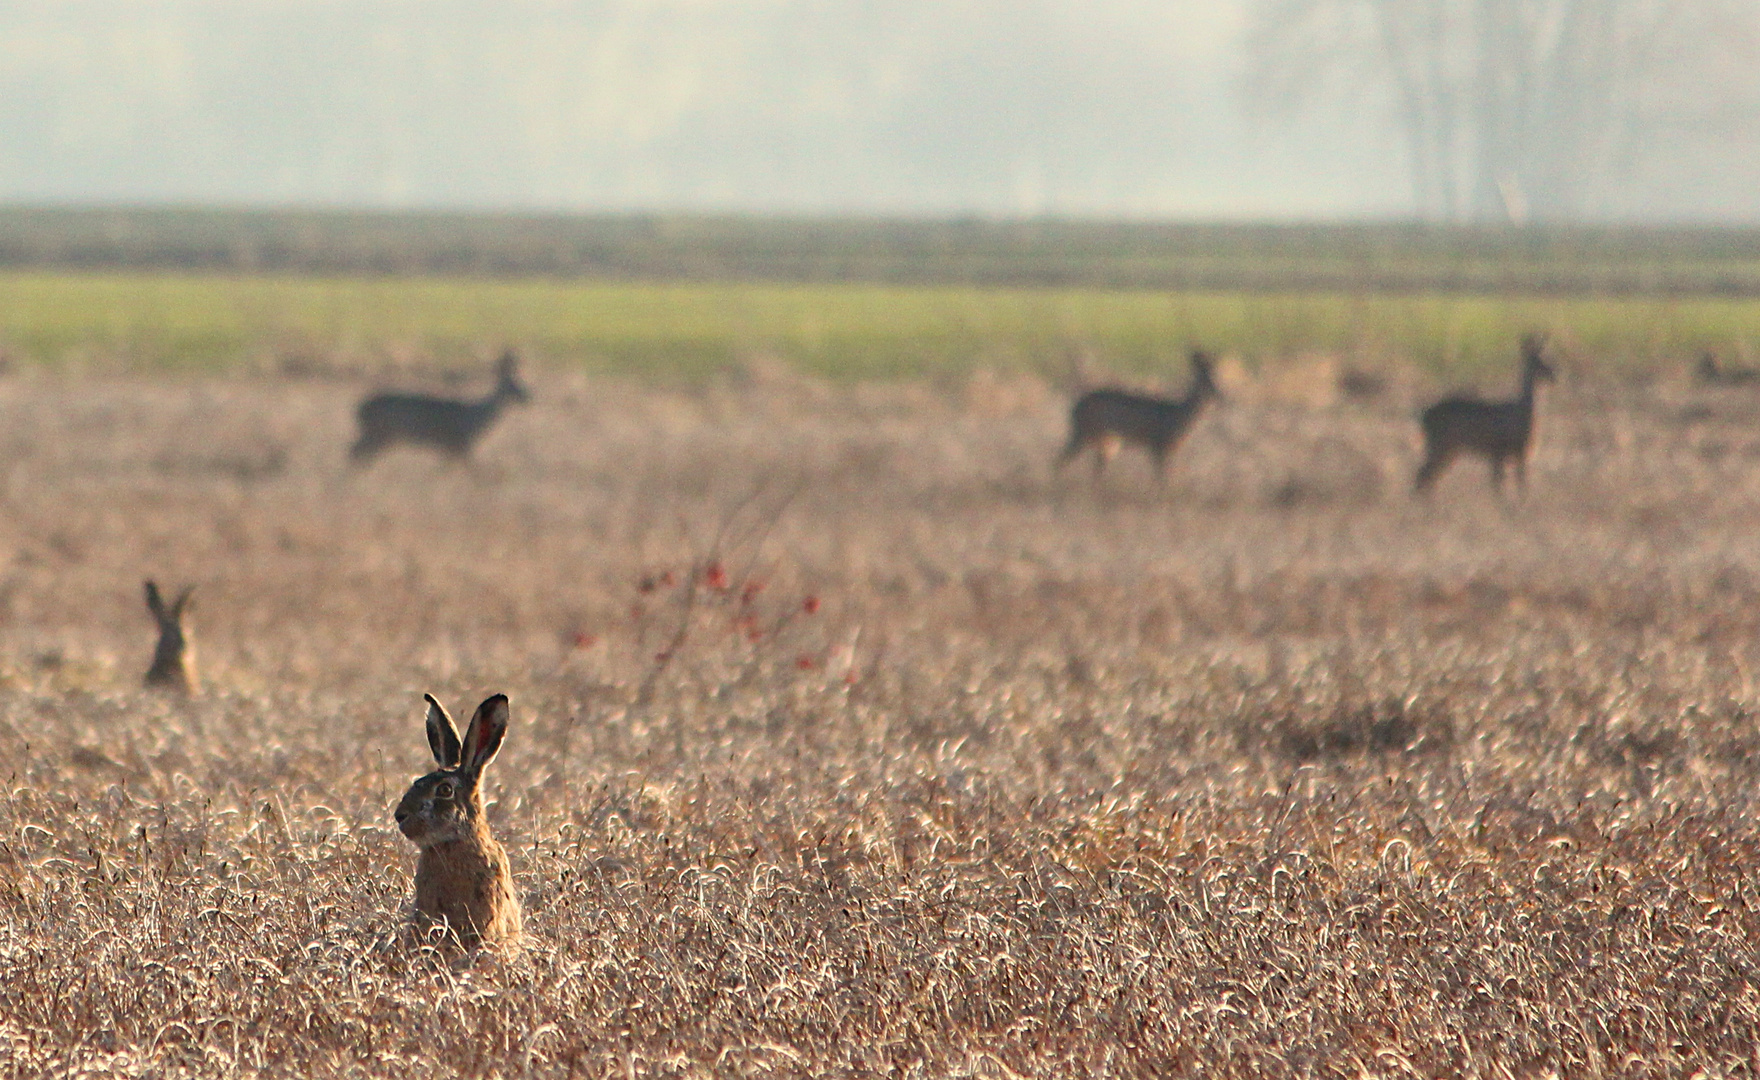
(489, 407)
(1530, 390)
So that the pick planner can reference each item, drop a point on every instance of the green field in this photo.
(155, 321)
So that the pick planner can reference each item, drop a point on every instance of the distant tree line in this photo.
(1511, 109)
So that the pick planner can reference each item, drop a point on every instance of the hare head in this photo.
(174, 661)
(462, 877)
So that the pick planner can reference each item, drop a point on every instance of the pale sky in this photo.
(1127, 108)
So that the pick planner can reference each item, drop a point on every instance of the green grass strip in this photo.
(196, 322)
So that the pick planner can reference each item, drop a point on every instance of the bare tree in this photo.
(1512, 107)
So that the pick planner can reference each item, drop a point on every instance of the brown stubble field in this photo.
(1276, 772)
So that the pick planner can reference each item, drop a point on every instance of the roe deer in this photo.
(462, 878)
(1713, 373)
(446, 424)
(174, 658)
(1502, 432)
(1104, 420)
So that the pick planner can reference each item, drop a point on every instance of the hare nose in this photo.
(401, 814)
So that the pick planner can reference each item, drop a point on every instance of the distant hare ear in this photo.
(182, 603)
(442, 736)
(485, 733)
(155, 603)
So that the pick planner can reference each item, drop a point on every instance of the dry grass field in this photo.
(848, 741)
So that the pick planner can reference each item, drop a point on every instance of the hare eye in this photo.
(443, 790)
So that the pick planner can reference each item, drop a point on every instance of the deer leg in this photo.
(365, 449)
(1070, 451)
(1434, 462)
(1158, 457)
(1104, 450)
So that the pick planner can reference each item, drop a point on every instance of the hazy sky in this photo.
(1087, 107)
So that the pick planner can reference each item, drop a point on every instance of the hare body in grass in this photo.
(1502, 432)
(1104, 420)
(462, 877)
(445, 424)
(174, 657)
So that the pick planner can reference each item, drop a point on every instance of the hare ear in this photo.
(182, 603)
(442, 736)
(155, 603)
(484, 735)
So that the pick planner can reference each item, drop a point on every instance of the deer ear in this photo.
(442, 736)
(484, 736)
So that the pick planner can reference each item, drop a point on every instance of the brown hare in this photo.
(1502, 432)
(462, 876)
(1104, 420)
(445, 424)
(174, 658)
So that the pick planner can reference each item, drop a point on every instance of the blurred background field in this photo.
(850, 740)
(680, 299)
(849, 737)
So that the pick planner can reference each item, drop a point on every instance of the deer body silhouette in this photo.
(1104, 420)
(1711, 372)
(445, 424)
(1502, 432)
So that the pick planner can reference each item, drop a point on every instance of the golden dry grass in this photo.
(1276, 772)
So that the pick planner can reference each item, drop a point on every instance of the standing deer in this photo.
(1711, 372)
(446, 424)
(1502, 432)
(1104, 420)
(174, 658)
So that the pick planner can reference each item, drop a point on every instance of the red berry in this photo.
(584, 640)
(804, 662)
(810, 605)
(715, 576)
